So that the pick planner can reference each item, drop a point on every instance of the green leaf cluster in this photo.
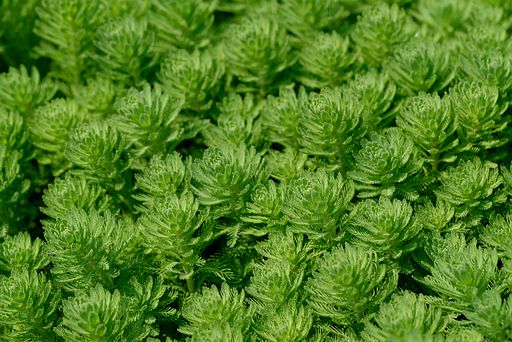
(255, 170)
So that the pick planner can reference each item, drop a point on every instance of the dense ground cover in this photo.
(237, 170)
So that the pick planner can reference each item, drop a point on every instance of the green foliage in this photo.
(22, 92)
(316, 205)
(226, 176)
(124, 50)
(330, 126)
(430, 122)
(278, 280)
(258, 52)
(489, 68)
(13, 133)
(119, 8)
(17, 19)
(292, 322)
(481, 39)
(497, 234)
(388, 164)
(464, 334)
(89, 248)
(250, 170)
(97, 95)
(472, 188)
(287, 165)
(182, 24)
(404, 316)
(265, 207)
(325, 60)
(480, 117)
(14, 191)
(19, 252)
(443, 18)
(421, 67)
(102, 315)
(386, 226)
(492, 316)
(50, 126)
(237, 6)
(301, 17)
(281, 116)
(221, 313)
(236, 123)
(459, 271)
(175, 230)
(67, 30)
(164, 174)
(379, 31)
(74, 192)
(28, 306)
(98, 152)
(348, 283)
(438, 218)
(147, 298)
(149, 121)
(375, 93)
(194, 75)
